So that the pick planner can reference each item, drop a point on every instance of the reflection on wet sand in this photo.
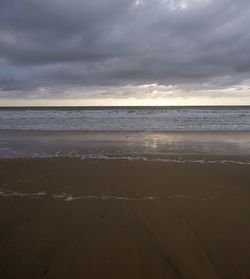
(79, 143)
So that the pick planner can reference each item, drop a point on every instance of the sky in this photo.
(124, 52)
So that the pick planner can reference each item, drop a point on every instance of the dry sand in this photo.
(128, 219)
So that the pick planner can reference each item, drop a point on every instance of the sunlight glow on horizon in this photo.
(151, 94)
(206, 101)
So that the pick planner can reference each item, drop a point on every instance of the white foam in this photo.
(59, 196)
(39, 194)
(72, 198)
(179, 196)
(10, 193)
(68, 197)
(105, 197)
(164, 160)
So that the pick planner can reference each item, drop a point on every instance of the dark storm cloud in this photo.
(72, 43)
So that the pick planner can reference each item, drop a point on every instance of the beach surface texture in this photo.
(124, 204)
(72, 218)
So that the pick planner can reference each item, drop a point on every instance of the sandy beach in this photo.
(72, 218)
(124, 139)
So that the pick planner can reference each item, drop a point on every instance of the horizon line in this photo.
(123, 106)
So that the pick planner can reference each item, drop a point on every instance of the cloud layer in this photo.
(53, 48)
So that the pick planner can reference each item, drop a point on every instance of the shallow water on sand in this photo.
(123, 145)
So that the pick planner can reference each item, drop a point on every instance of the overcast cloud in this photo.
(100, 48)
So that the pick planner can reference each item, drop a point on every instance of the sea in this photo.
(126, 132)
(233, 118)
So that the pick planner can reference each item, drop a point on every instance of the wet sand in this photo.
(72, 218)
(36, 144)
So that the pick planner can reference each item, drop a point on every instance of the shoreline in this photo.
(177, 158)
(14, 144)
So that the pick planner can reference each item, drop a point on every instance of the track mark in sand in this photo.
(204, 250)
(167, 260)
(154, 246)
(48, 258)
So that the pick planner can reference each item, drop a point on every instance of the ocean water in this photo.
(127, 133)
(128, 119)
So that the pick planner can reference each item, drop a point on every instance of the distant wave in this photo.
(128, 119)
